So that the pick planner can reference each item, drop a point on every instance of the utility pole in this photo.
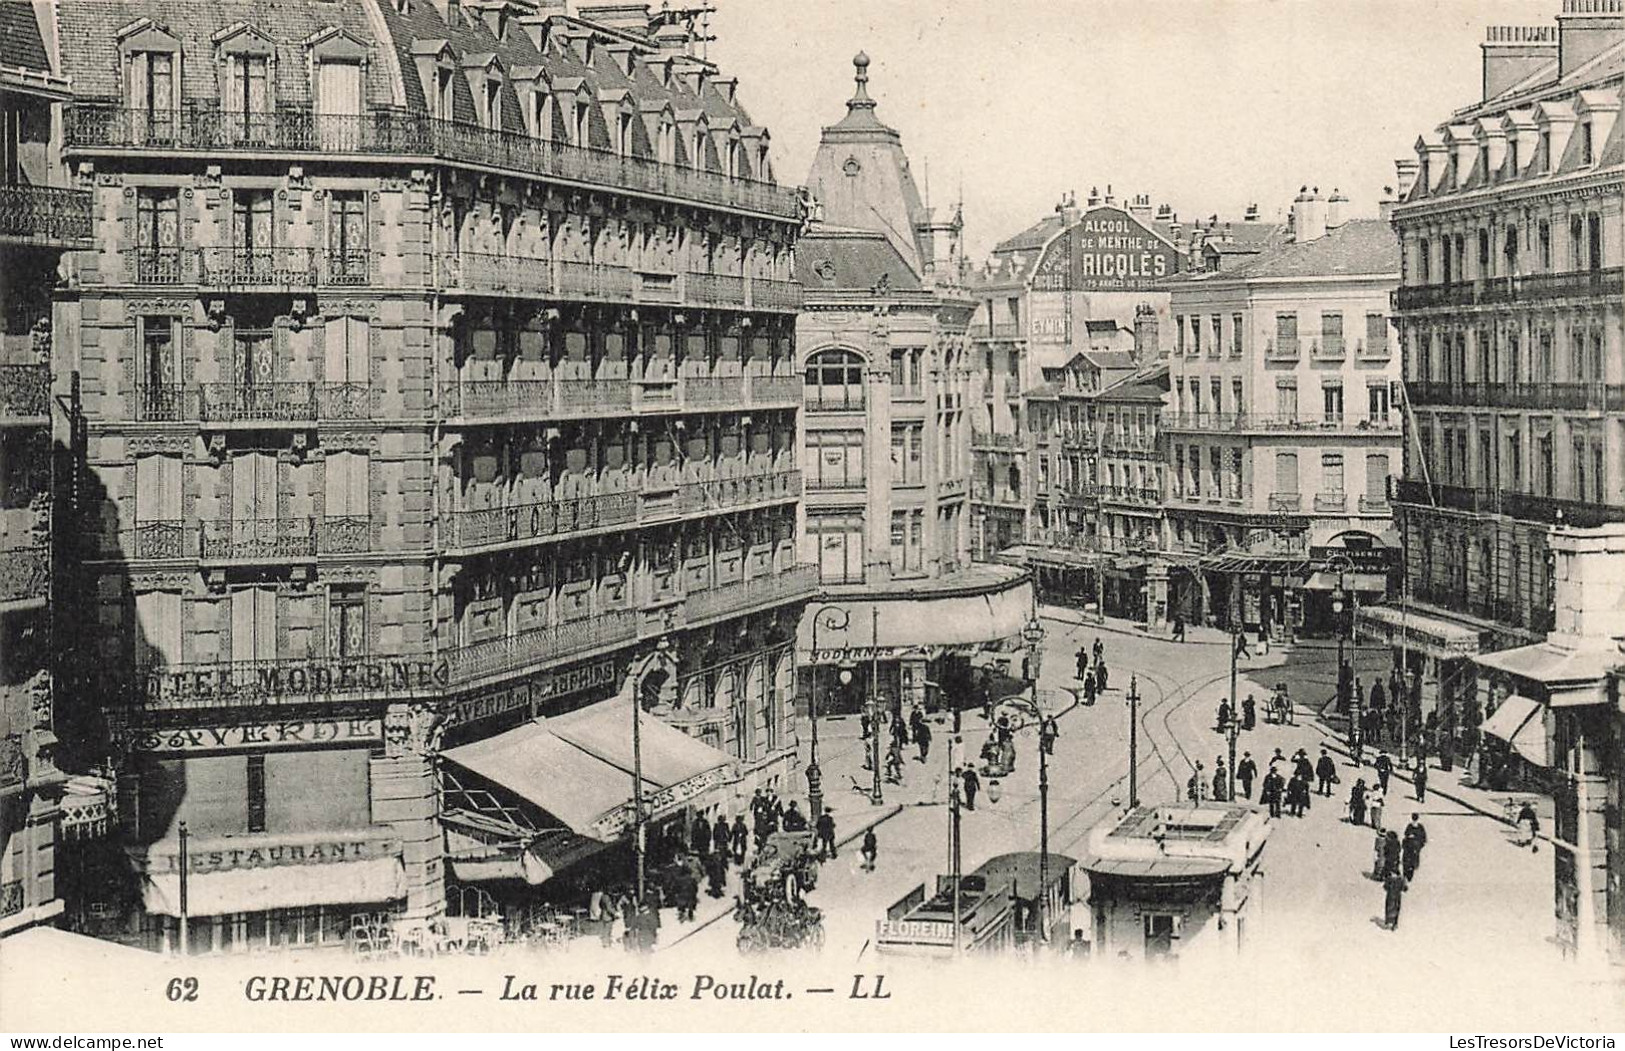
(953, 843)
(1235, 716)
(1133, 741)
(186, 864)
(876, 797)
(1043, 830)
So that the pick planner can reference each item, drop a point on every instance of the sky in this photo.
(1207, 105)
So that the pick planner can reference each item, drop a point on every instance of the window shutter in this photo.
(1286, 472)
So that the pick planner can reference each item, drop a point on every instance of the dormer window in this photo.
(582, 129)
(493, 104)
(623, 135)
(443, 94)
(733, 159)
(1426, 174)
(666, 142)
(541, 115)
(1586, 156)
(1545, 150)
(761, 161)
(699, 149)
(1512, 156)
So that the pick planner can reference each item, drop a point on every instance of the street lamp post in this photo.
(1235, 716)
(639, 828)
(876, 798)
(835, 618)
(953, 843)
(1033, 634)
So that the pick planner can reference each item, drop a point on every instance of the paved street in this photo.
(1474, 883)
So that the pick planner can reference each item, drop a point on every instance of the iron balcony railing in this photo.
(1282, 348)
(45, 214)
(393, 133)
(1331, 503)
(995, 441)
(238, 402)
(158, 265)
(1593, 397)
(25, 573)
(1285, 501)
(344, 535)
(1529, 507)
(490, 526)
(797, 582)
(161, 539)
(278, 267)
(1604, 281)
(1330, 348)
(550, 645)
(257, 539)
(25, 390)
(1374, 505)
(351, 266)
(163, 403)
(1266, 421)
(1130, 494)
(538, 398)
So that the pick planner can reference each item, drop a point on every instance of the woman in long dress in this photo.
(1394, 892)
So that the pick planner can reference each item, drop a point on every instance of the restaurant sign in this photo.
(1108, 250)
(617, 821)
(294, 733)
(225, 853)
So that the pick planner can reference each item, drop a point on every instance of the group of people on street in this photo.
(1091, 671)
(1279, 790)
(1395, 861)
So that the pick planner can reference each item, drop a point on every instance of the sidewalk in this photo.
(1195, 635)
(1481, 801)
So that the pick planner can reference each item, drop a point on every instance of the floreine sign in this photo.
(1107, 250)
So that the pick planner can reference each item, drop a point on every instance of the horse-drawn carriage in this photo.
(771, 911)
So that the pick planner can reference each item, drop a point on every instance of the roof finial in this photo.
(860, 67)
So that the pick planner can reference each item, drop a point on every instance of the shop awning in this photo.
(578, 767)
(543, 859)
(1324, 581)
(1556, 666)
(1435, 636)
(253, 873)
(1159, 868)
(1521, 723)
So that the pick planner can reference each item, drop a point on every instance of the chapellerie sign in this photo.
(283, 680)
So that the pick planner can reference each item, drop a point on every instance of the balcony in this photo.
(261, 402)
(257, 540)
(159, 266)
(1329, 348)
(1528, 507)
(345, 535)
(713, 391)
(988, 440)
(795, 584)
(348, 267)
(783, 297)
(482, 272)
(768, 390)
(541, 647)
(738, 492)
(25, 573)
(149, 540)
(1282, 348)
(90, 127)
(1331, 503)
(1373, 350)
(1286, 502)
(815, 484)
(1374, 505)
(47, 215)
(25, 392)
(163, 403)
(715, 290)
(594, 396)
(1571, 284)
(347, 401)
(490, 527)
(240, 269)
(1578, 397)
(1128, 494)
(1216, 422)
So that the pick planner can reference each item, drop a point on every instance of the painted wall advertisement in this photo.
(1108, 250)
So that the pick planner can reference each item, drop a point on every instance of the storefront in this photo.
(1436, 655)
(913, 646)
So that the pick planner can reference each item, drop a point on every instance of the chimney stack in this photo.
(1110, 200)
(1068, 208)
(1094, 197)
(1512, 53)
(1405, 171)
(1308, 216)
(1584, 29)
(1336, 210)
(1251, 215)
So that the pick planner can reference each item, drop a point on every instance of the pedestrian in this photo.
(1416, 834)
(1393, 894)
(794, 820)
(1179, 628)
(1357, 802)
(1241, 645)
(1083, 663)
(1196, 787)
(1246, 770)
(738, 835)
(899, 732)
(763, 828)
(648, 926)
(916, 721)
(1373, 802)
(1100, 676)
(1528, 826)
(700, 838)
(1249, 713)
(826, 833)
(716, 872)
(922, 738)
(1223, 722)
(1047, 733)
(1221, 781)
(973, 783)
(1356, 742)
(894, 762)
(870, 849)
(1377, 698)
(1297, 795)
(1264, 639)
(1421, 778)
(1326, 772)
(722, 841)
(1099, 650)
(687, 893)
(1270, 792)
(865, 724)
(1088, 687)
(1385, 769)
(1391, 853)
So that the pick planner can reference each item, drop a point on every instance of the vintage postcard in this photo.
(545, 515)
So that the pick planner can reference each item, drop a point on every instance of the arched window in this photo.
(835, 381)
